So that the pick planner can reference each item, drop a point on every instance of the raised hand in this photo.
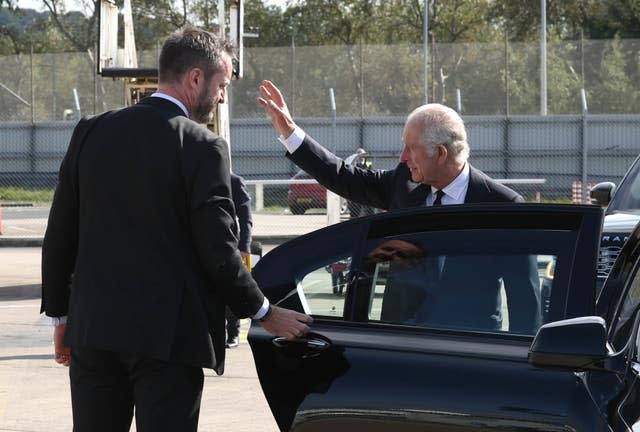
(275, 106)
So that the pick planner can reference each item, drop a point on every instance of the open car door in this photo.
(433, 327)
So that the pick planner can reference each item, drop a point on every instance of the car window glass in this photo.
(464, 284)
(637, 347)
(627, 197)
(627, 313)
(323, 289)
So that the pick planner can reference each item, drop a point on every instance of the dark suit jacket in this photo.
(393, 189)
(242, 203)
(140, 250)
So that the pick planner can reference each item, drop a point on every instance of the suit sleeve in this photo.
(365, 186)
(213, 228)
(522, 286)
(59, 248)
(242, 203)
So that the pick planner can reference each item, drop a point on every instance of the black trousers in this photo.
(233, 323)
(107, 386)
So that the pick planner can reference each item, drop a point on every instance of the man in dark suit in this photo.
(140, 254)
(433, 170)
(242, 204)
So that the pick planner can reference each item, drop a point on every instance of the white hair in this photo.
(441, 125)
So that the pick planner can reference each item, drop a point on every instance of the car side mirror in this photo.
(601, 193)
(576, 344)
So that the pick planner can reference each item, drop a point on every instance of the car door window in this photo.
(627, 313)
(323, 288)
(463, 283)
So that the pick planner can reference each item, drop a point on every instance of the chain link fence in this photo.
(495, 86)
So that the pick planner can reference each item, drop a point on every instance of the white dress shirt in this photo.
(455, 191)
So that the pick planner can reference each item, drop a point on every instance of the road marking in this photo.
(19, 306)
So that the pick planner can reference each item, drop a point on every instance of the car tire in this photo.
(298, 209)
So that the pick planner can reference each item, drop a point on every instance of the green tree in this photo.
(616, 86)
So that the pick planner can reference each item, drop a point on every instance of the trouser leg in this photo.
(101, 396)
(167, 396)
(233, 323)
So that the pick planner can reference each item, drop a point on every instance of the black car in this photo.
(373, 362)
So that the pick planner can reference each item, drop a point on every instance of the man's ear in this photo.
(443, 153)
(194, 78)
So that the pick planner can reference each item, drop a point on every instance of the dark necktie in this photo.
(439, 195)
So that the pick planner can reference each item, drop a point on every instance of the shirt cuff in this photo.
(294, 140)
(263, 310)
(56, 321)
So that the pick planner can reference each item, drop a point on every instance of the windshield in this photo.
(627, 196)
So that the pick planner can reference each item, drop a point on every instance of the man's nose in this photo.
(403, 155)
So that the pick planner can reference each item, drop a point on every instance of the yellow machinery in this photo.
(121, 63)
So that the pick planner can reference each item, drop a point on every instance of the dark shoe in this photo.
(232, 342)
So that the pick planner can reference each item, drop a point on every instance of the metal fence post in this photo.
(585, 150)
(333, 200)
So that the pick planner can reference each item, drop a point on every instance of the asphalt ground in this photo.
(25, 226)
(34, 390)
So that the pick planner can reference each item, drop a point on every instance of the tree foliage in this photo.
(371, 51)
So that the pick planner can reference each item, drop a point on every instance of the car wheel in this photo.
(298, 209)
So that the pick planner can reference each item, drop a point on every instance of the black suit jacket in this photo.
(140, 250)
(386, 189)
(456, 305)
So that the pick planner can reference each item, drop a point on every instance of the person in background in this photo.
(244, 219)
(140, 257)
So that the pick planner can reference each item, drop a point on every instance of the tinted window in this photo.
(627, 197)
(628, 312)
(482, 280)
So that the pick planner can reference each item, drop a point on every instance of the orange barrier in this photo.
(576, 192)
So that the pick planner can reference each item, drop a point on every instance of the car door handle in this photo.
(306, 346)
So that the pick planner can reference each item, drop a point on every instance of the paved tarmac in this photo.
(25, 226)
(34, 390)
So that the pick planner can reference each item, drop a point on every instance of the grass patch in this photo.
(35, 196)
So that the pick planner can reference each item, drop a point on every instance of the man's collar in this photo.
(172, 99)
(458, 186)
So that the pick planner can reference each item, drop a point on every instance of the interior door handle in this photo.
(308, 346)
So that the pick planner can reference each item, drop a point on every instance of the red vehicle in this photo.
(303, 196)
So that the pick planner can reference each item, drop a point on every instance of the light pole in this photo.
(543, 57)
(425, 48)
